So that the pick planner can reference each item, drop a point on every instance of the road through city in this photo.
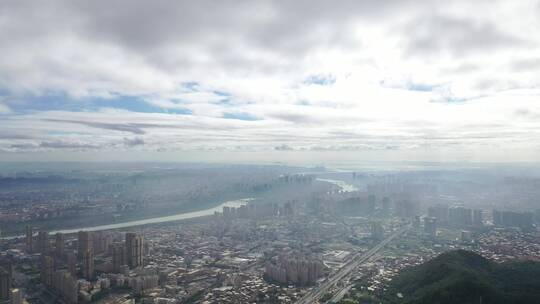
(317, 293)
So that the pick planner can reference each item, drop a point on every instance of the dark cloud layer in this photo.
(131, 128)
(132, 142)
(439, 34)
(67, 145)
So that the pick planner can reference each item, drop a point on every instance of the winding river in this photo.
(155, 220)
(161, 219)
(189, 215)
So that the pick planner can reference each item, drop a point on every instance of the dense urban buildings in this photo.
(293, 269)
(513, 219)
(298, 240)
(269, 152)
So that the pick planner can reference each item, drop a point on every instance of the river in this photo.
(189, 215)
(345, 187)
(155, 220)
(182, 216)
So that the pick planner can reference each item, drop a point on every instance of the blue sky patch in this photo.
(62, 102)
(422, 87)
(320, 79)
(240, 116)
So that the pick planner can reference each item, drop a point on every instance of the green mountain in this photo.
(465, 277)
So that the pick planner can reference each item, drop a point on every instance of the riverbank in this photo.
(155, 220)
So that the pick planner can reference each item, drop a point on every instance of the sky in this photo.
(310, 81)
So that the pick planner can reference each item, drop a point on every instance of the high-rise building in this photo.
(513, 219)
(440, 211)
(7, 266)
(134, 250)
(88, 265)
(288, 209)
(460, 216)
(5, 284)
(16, 296)
(84, 243)
(377, 231)
(29, 236)
(406, 208)
(430, 226)
(59, 244)
(118, 257)
(386, 205)
(372, 202)
(497, 218)
(466, 236)
(71, 261)
(417, 221)
(478, 218)
(101, 242)
(66, 285)
(43, 242)
(294, 270)
(47, 270)
(163, 278)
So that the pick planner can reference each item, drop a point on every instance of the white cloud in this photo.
(4, 109)
(416, 75)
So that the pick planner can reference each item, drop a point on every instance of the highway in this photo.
(317, 292)
(340, 294)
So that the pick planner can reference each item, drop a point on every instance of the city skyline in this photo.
(271, 151)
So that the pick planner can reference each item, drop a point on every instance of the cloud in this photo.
(283, 147)
(256, 76)
(23, 146)
(439, 34)
(526, 65)
(527, 113)
(130, 128)
(7, 135)
(89, 49)
(4, 109)
(132, 142)
(67, 145)
(320, 79)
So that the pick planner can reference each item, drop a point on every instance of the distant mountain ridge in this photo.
(463, 277)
